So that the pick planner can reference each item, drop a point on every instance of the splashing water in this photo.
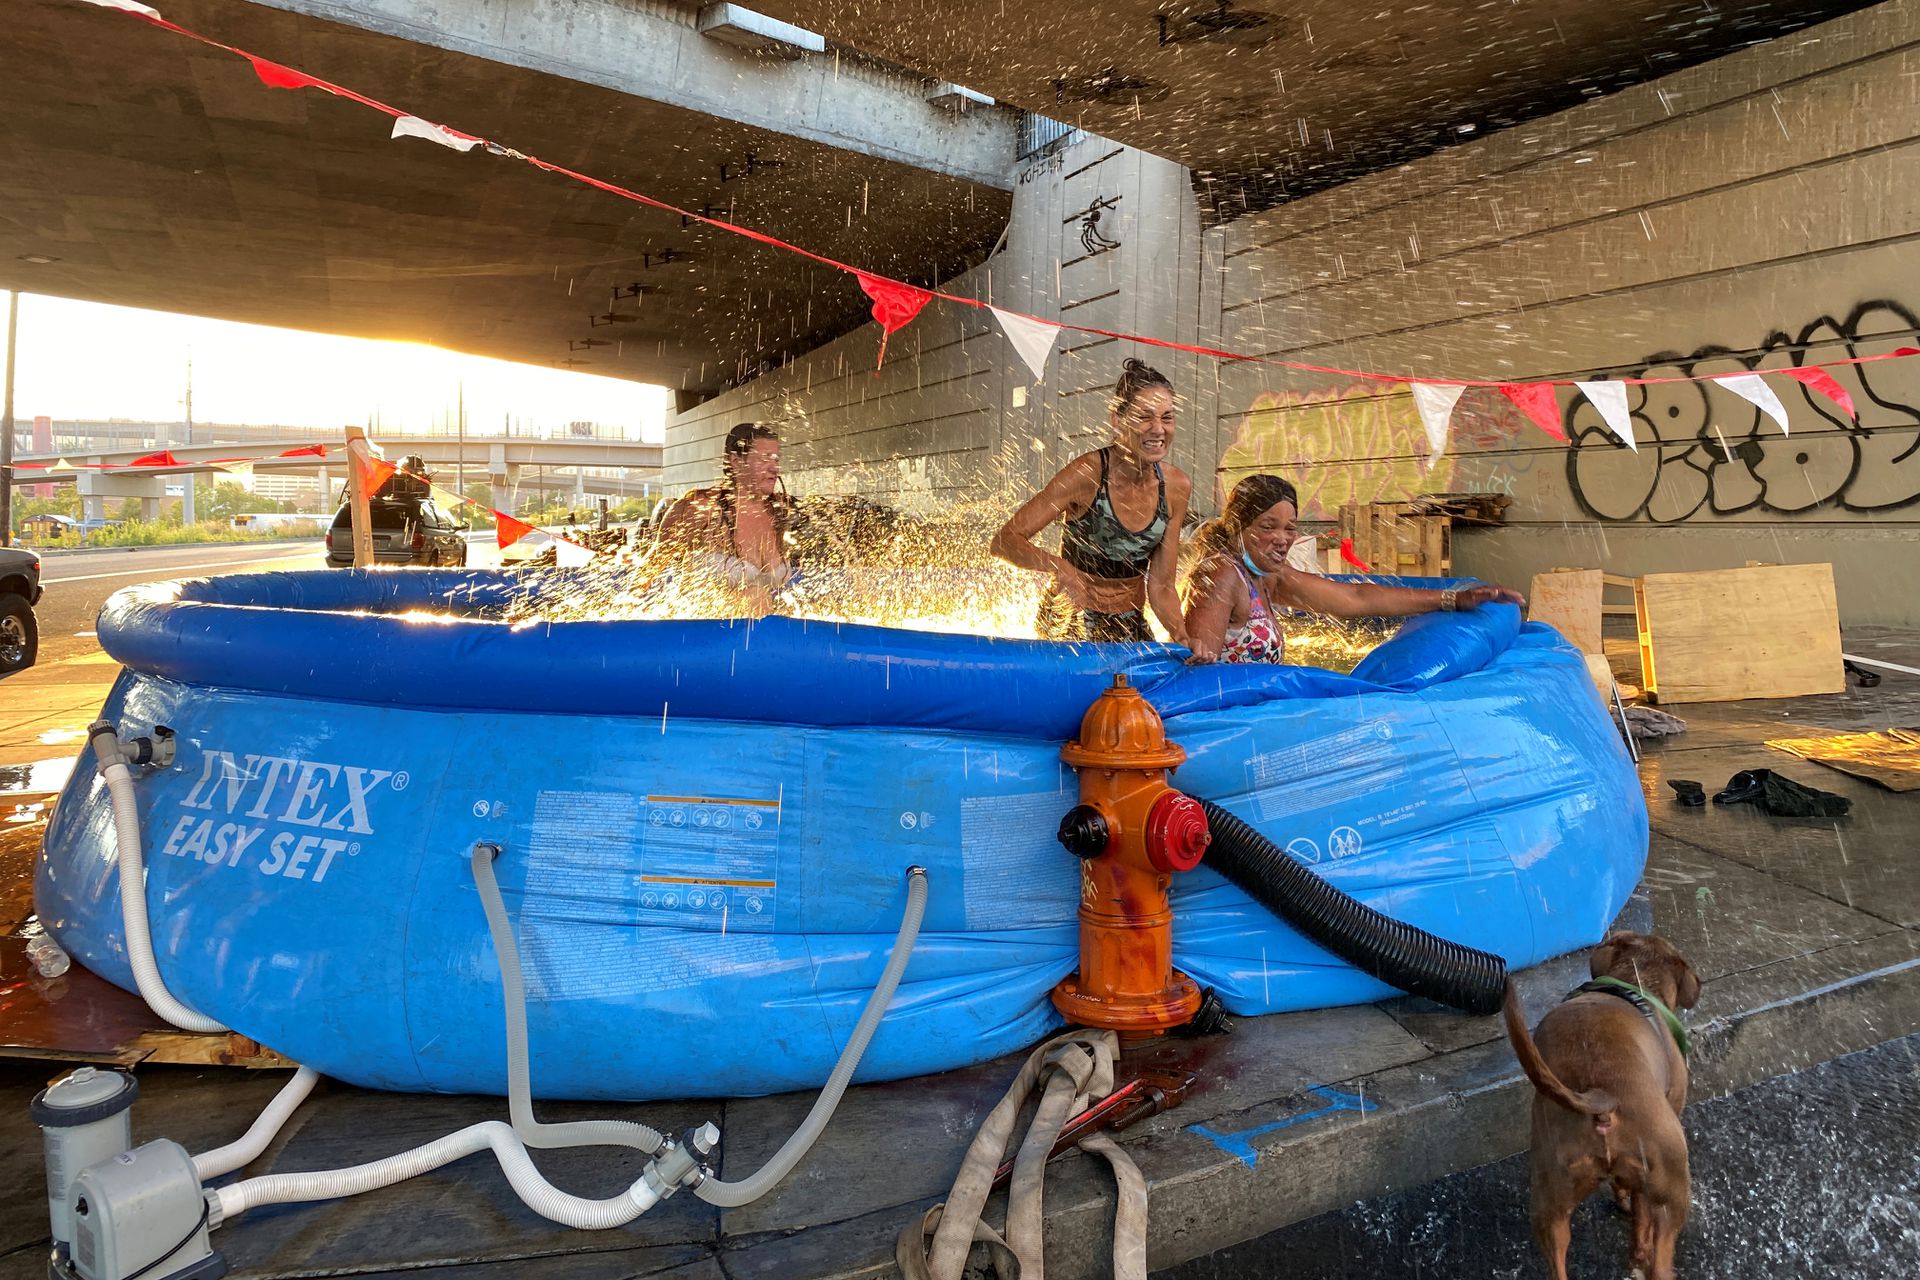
(862, 563)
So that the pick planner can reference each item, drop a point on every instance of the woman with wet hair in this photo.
(743, 531)
(1242, 578)
(1121, 510)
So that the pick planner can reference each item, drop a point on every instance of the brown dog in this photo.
(1610, 1082)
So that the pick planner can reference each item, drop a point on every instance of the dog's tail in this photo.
(1597, 1103)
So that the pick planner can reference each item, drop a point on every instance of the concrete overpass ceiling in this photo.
(159, 173)
(1273, 99)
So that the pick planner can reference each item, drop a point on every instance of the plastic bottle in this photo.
(46, 954)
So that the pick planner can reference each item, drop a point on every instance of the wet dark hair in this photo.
(1135, 376)
(741, 438)
(1252, 498)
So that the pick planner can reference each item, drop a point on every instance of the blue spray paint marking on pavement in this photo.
(1241, 1144)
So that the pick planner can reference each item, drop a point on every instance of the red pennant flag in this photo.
(373, 472)
(161, 459)
(894, 306)
(1822, 381)
(275, 76)
(1346, 554)
(508, 531)
(304, 451)
(1538, 402)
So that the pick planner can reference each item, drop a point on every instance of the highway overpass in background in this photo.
(585, 466)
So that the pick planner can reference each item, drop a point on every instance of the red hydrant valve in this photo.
(1177, 835)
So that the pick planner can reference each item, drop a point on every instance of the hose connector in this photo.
(155, 749)
(105, 741)
(681, 1164)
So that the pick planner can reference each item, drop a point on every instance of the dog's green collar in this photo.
(1648, 1003)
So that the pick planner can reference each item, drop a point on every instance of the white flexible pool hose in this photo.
(236, 1154)
(513, 993)
(133, 885)
(747, 1190)
(540, 1195)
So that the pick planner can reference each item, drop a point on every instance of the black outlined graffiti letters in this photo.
(1707, 453)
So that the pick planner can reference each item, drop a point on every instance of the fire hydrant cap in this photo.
(1121, 730)
(1177, 834)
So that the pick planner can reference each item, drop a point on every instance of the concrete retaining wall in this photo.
(1750, 213)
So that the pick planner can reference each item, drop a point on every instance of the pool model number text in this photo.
(277, 790)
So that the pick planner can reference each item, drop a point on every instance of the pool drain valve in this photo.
(1131, 832)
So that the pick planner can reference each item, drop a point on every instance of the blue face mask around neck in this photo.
(1247, 560)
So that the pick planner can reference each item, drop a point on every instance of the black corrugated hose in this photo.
(1396, 953)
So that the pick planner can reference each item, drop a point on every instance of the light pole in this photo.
(6, 426)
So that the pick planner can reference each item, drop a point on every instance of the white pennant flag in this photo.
(1752, 387)
(241, 470)
(1610, 399)
(1435, 401)
(60, 464)
(1033, 339)
(415, 127)
(126, 6)
(570, 555)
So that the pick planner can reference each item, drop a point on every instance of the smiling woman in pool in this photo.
(1121, 508)
(1243, 576)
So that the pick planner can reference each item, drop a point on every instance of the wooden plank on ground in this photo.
(1765, 631)
(1568, 600)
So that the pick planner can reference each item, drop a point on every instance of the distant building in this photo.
(48, 527)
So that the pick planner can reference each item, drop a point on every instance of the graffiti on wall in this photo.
(1706, 453)
(1362, 443)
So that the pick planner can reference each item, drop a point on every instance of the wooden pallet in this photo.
(1466, 508)
(1400, 538)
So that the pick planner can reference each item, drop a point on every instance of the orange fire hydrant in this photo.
(1131, 831)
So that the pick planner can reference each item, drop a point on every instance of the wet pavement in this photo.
(1803, 930)
(1813, 1174)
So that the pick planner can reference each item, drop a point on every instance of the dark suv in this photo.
(19, 592)
(407, 527)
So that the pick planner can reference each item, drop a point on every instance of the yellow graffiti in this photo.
(1363, 443)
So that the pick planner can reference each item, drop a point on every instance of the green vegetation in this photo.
(155, 533)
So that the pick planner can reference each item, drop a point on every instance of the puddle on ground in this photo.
(39, 776)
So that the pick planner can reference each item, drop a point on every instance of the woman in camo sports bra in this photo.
(1121, 509)
(1243, 577)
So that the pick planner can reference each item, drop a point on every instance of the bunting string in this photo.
(373, 472)
(896, 303)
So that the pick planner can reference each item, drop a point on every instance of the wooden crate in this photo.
(1399, 538)
(1765, 631)
(1568, 600)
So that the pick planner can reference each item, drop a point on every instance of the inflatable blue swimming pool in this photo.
(705, 824)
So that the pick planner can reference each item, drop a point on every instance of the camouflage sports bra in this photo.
(1095, 542)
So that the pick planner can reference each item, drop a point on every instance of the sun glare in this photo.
(83, 361)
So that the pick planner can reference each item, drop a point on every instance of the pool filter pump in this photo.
(118, 1212)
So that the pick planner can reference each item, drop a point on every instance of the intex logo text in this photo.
(280, 790)
(315, 786)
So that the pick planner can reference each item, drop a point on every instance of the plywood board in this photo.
(1765, 631)
(1568, 600)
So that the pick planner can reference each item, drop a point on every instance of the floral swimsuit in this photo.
(1259, 639)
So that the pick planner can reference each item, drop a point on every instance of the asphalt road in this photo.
(1814, 1174)
(78, 583)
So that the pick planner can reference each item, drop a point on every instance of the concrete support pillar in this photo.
(97, 489)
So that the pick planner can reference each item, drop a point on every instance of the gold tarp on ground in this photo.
(1890, 758)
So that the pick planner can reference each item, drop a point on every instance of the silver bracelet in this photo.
(1449, 600)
